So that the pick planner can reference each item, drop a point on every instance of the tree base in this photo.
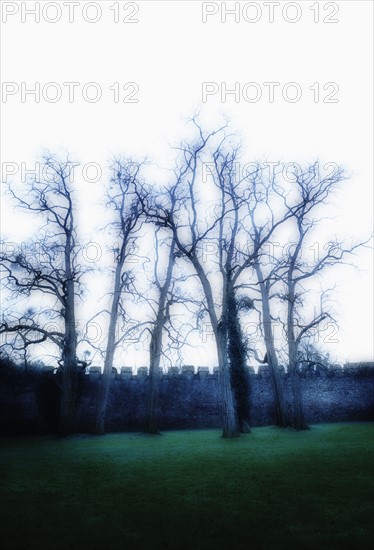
(300, 427)
(283, 425)
(230, 434)
(245, 428)
(98, 431)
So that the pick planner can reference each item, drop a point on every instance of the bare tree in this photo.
(233, 196)
(162, 313)
(260, 218)
(312, 357)
(265, 219)
(296, 269)
(181, 210)
(49, 266)
(230, 220)
(271, 358)
(126, 199)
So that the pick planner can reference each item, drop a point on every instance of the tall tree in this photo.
(155, 348)
(181, 210)
(263, 225)
(297, 269)
(282, 419)
(255, 210)
(48, 266)
(125, 198)
(226, 225)
(233, 195)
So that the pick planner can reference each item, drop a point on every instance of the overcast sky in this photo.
(169, 59)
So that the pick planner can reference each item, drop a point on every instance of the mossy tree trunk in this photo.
(239, 375)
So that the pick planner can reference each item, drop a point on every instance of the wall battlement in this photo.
(189, 397)
(351, 369)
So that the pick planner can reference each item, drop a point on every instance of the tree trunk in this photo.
(230, 428)
(220, 332)
(68, 393)
(155, 349)
(239, 376)
(151, 426)
(299, 422)
(281, 417)
(69, 372)
(99, 426)
(298, 413)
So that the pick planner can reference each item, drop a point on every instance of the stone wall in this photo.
(189, 398)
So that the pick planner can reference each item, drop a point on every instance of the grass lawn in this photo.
(271, 489)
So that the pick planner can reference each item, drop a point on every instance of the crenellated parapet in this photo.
(263, 371)
(189, 396)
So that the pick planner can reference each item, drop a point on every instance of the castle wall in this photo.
(189, 398)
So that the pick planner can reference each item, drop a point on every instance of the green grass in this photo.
(271, 489)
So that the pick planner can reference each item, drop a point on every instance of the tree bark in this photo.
(69, 374)
(151, 424)
(298, 413)
(155, 350)
(281, 417)
(238, 369)
(69, 378)
(229, 428)
(99, 426)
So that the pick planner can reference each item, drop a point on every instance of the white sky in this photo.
(169, 53)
